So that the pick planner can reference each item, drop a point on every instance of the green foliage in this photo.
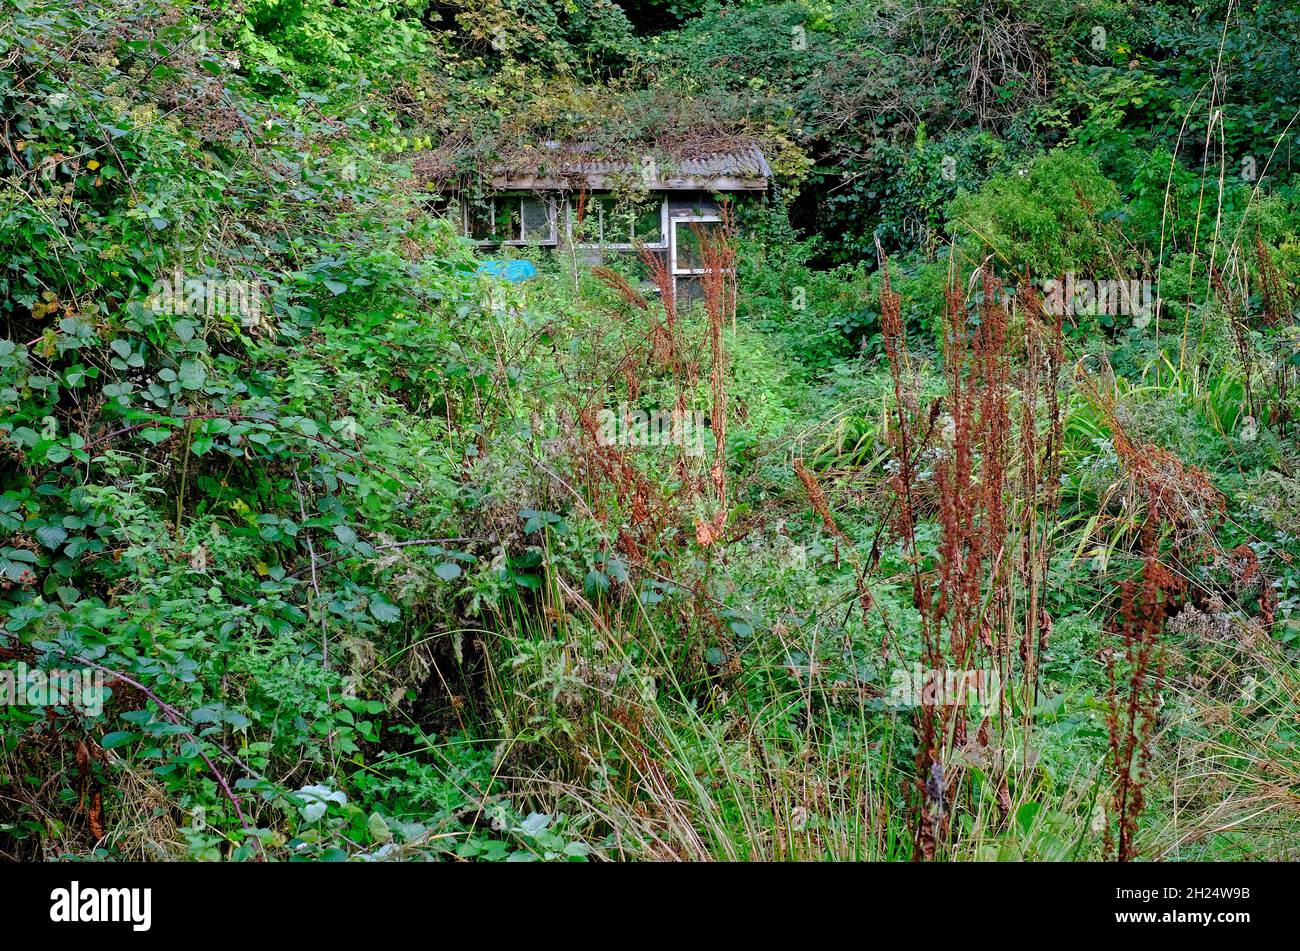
(316, 42)
(1052, 217)
(176, 449)
(315, 498)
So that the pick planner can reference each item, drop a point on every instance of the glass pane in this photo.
(648, 224)
(618, 225)
(687, 235)
(536, 219)
(493, 219)
(587, 228)
(478, 220)
(507, 219)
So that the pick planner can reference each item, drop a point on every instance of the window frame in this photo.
(673, 222)
(661, 244)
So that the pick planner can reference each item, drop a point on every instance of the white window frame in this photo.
(627, 245)
(550, 203)
(673, 222)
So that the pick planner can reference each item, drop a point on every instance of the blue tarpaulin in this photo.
(511, 270)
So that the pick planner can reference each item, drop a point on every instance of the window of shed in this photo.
(537, 220)
(619, 224)
(510, 219)
(687, 234)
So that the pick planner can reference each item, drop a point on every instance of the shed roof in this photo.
(558, 166)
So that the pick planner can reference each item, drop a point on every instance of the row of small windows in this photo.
(591, 221)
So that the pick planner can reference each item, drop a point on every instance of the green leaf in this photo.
(192, 374)
(155, 435)
(384, 610)
(1025, 815)
(51, 536)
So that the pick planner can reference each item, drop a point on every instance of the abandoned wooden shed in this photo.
(565, 196)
